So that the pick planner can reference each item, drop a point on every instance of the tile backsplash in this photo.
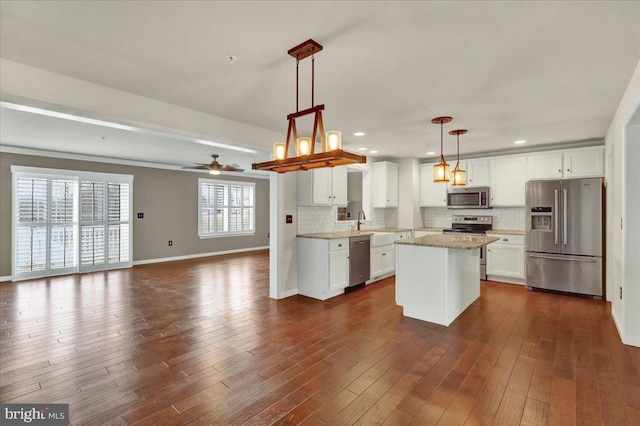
(504, 218)
(323, 219)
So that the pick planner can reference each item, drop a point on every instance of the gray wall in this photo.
(168, 199)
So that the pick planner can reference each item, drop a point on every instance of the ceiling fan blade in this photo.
(231, 168)
(198, 167)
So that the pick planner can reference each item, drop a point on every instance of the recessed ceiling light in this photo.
(231, 58)
(358, 134)
(373, 152)
(362, 149)
(520, 141)
(431, 153)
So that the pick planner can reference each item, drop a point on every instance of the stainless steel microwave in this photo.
(468, 198)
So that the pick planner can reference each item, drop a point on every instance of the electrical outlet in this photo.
(288, 218)
(140, 215)
(170, 243)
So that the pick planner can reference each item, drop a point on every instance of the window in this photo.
(66, 221)
(225, 208)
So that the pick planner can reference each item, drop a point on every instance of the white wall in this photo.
(623, 183)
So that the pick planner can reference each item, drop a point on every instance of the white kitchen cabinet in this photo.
(338, 269)
(382, 261)
(323, 267)
(567, 164)
(583, 163)
(508, 177)
(323, 187)
(384, 184)
(477, 172)
(432, 194)
(544, 166)
(506, 258)
(382, 254)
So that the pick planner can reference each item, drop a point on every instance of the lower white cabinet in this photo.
(323, 267)
(382, 261)
(505, 258)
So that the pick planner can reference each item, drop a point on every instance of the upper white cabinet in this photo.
(544, 166)
(583, 163)
(432, 194)
(323, 187)
(384, 184)
(574, 163)
(477, 172)
(508, 177)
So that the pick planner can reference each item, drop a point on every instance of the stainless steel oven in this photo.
(473, 225)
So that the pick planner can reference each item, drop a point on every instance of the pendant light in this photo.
(306, 156)
(441, 170)
(458, 175)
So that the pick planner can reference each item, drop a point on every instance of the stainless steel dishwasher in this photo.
(359, 259)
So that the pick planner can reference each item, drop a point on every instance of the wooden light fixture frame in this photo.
(325, 158)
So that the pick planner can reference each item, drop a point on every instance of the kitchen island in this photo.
(438, 276)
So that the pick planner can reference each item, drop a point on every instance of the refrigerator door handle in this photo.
(564, 216)
(571, 258)
(555, 210)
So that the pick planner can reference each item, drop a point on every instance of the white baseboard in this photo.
(288, 293)
(5, 278)
(506, 280)
(195, 256)
(617, 323)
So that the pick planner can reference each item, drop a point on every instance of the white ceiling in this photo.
(549, 72)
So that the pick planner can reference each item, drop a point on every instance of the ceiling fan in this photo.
(215, 168)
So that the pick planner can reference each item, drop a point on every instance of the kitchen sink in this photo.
(382, 238)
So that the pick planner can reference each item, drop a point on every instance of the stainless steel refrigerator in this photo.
(564, 235)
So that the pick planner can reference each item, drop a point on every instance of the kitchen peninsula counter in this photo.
(335, 235)
(438, 276)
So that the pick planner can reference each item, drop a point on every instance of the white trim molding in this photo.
(198, 255)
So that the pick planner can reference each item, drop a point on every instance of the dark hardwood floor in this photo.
(200, 342)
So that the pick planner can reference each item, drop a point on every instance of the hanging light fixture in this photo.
(331, 142)
(458, 175)
(441, 170)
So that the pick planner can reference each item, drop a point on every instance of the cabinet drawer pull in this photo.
(339, 245)
(384, 254)
(505, 239)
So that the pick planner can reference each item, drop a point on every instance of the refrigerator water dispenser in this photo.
(541, 219)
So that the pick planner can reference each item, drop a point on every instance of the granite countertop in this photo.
(388, 229)
(503, 232)
(449, 241)
(335, 235)
(429, 228)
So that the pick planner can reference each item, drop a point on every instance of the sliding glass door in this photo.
(66, 222)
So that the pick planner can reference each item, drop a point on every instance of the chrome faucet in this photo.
(361, 213)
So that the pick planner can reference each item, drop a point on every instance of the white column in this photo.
(283, 248)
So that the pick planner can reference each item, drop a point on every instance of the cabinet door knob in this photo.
(559, 170)
(488, 249)
(339, 245)
(568, 170)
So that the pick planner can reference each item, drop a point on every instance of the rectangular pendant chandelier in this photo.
(331, 143)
